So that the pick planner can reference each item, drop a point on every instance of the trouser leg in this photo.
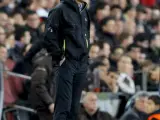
(78, 84)
(64, 91)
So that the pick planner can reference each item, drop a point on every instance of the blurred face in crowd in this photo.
(102, 13)
(27, 38)
(123, 3)
(3, 54)
(155, 74)
(152, 107)
(10, 25)
(118, 52)
(128, 41)
(94, 51)
(144, 44)
(141, 103)
(90, 103)
(132, 13)
(18, 19)
(141, 16)
(2, 35)
(135, 53)
(149, 13)
(116, 12)
(130, 27)
(33, 21)
(3, 19)
(155, 43)
(110, 27)
(112, 78)
(135, 2)
(125, 65)
(106, 63)
(119, 27)
(105, 51)
(155, 14)
(10, 41)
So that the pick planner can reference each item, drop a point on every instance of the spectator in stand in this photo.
(134, 51)
(94, 52)
(125, 40)
(3, 19)
(130, 13)
(137, 110)
(105, 48)
(90, 109)
(32, 24)
(116, 12)
(108, 26)
(130, 27)
(153, 107)
(154, 50)
(2, 35)
(23, 38)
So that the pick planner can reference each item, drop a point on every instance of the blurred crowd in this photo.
(124, 52)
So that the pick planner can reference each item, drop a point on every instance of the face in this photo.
(33, 21)
(3, 54)
(10, 43)
(135, 2)
(125, 65)
(144, 44)
(27, 37)
(123, 3)
(135, 53)
(105, 51)
(112, 77)
(110, 26)
(141, 104)
(156, 41)
(106, 63)
(116, 13)
(132, 13)
(141, 16)
(152, 107)
(130, 27)
(91, 103)
(94, 51)
(102, 13)
(2, 35)
(3, 19)
(155, 74)
(18, 19)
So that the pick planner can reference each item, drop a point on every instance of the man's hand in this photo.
(51, 107)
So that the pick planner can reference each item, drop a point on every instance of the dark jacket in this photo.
(154, 116)
(133, 114)
(42, 84)
(97, 116)
(66, 23)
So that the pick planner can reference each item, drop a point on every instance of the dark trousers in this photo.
(44, 115)
(70, 81)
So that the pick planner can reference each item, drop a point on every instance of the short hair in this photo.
(141, 37)
(101, 43)
(106, 20)
(124, 36)
(155, 99)
(130, 47)
(129, 8)
(86, 96)
(116, 7)
(100, 5)
(19, 33)
(30, 12)
(154, 23)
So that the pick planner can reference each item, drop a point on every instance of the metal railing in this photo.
(1, 89)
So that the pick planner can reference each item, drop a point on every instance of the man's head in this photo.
(153, 104)
(134, 51)
(33, 20)
(109, 25)
(90, 103)
(94, 50)
(155, 74)
(130, 27)
(141, 14)
(130, 12)
(125, 65)
(142, 39)
(23, 36)
(112, 76)
(155, 24)
(3, 53)
(102, 10)
(117, 53)
(116, 11)
(125, 39)
(155, 41)
(3, 19)
(2, 35)
(104, 49)
(141, 102)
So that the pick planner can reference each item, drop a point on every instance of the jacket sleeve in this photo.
(38, 81)
(52, 31)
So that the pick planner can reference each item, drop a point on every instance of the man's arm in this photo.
(52, 33)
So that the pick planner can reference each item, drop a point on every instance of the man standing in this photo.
(67, 34)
